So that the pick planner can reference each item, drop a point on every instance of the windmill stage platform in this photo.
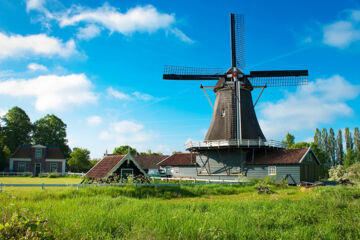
(241, 143)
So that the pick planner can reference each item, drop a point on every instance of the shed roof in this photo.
(281, 156)
(179, 159)
(104, 166)
(149, 161)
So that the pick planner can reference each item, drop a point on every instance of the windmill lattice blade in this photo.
(279, 78)
(192, 73)
(237, 40)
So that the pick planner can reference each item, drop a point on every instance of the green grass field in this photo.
(189, 212)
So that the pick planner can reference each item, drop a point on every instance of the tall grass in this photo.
(193, 212)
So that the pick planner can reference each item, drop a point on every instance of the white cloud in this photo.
(321, 101)
(36, 67)
(126, 133)
(52, 92)
(344, 32)
(142, 96)
(119, 95)
(138, 19)
(36, 44)
(94, 120)
(35, 5)
(88, 32)
(183, 37)
(133, 96)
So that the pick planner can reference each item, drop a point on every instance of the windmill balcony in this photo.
(247, 143)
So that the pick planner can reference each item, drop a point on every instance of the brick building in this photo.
(38, 159)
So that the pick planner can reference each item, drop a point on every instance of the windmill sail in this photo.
(192, 73)
(278, 78)
(237, 40)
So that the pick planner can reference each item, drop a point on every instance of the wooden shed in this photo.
(180, 164)
(295, 164)
(122, 165)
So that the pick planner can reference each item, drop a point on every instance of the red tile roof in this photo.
(179, 159)
(104, 166)
(149, 161)
(54, 153)
(279, 156)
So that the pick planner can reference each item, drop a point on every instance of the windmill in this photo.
(234, 126)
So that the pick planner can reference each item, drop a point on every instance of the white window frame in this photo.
(38, 151)
(57, 167)
(272, 170)
(22, 163)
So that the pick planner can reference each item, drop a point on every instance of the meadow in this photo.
(183, 212)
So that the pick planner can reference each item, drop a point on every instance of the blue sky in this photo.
(98, 66)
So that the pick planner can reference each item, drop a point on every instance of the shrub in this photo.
(22, 226)
(353, 173)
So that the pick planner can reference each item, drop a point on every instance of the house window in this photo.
(125, 172)
(38, 153)
(21, 167)
(54, 167)
(271, 170)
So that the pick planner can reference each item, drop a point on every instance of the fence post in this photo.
(0, 187)
(42, 186)
(77, 187)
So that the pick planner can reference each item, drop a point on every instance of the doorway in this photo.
(37, 169)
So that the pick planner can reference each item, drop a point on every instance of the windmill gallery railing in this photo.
(235, 143)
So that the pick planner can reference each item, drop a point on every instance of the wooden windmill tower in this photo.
(234, 134)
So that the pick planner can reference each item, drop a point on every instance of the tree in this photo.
(317, 137)
(289, 140)
(17, 128)
(51, 130)
(357, 141)
(4, 151)
(124, 150)
(174, 152)
(349, 158)
(301, 145)
(348, 139)
(149, 152)
(332, 146)
(324, 145)
(339, 148)
(80, 159)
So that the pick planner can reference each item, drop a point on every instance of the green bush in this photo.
(21, 225)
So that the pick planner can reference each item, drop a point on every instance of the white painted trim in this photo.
(38, 146)
(21, 159)
(63, 161)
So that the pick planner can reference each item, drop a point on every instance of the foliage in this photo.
(337, 173)
(350, 158)
(353, 173)
(4, 151)
(124, 150)
(175, 152)
(51, 130)
(331, 142)
(289, 140)
(193, 212)
(149, 152)
(348, 139)
(301, 145)
(80, 159)
(17, 129)
(22, 225)
(342, 173)
(339, 148)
